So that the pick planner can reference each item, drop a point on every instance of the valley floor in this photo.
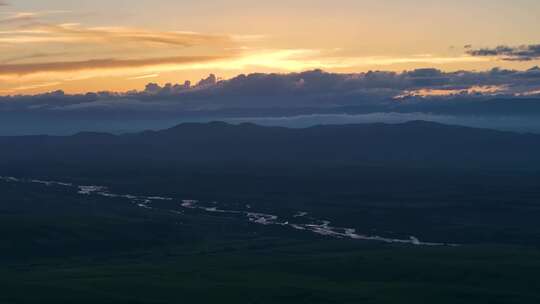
(119, 242)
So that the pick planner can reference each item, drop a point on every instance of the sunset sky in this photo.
(120, 45)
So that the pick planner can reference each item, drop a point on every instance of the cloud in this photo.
(28, 17)
(97, 48)
(18, 17)
(75, 33)
(33, 45)
(99, 64)
(310, 89)
(146, 76)
(3, 3)
(473, 90)
(498, 92)
(508, 53)
(37, 55)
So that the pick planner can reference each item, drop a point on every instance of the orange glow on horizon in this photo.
(67, 46)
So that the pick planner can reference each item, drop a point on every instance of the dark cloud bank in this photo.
(519, 53)
(504, 99)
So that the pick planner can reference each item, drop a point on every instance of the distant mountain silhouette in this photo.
(417, 142)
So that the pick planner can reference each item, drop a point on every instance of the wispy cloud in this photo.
(99, 64)
(26, 17)
(75, 33)
(100, 50)
(147, 76)
(34, 86)
(18, 17)
(37, 55)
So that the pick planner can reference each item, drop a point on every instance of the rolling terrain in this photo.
(198, 225)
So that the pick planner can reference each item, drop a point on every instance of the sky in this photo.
(103, 45)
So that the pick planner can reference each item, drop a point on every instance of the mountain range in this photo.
(416, 142)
